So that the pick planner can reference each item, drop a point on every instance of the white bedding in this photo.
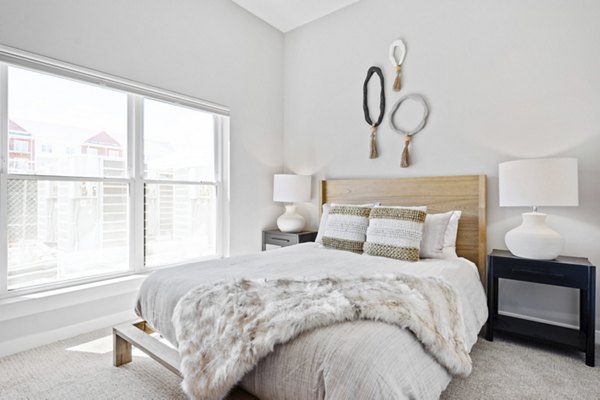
(378, 361)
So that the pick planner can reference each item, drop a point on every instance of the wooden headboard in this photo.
(438, 193)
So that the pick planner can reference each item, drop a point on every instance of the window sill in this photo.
(17, 305)
(27, 304)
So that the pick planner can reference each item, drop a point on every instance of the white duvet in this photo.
(354, 360)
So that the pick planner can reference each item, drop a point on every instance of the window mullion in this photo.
(222, 177)
(3, 178)
(137, 178)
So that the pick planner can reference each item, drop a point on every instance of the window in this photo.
(121, 181)
(179, 183)
(21, 146)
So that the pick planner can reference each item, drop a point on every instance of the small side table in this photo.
(283, 239)
(572, 272)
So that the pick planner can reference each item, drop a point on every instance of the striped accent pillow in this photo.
(346, 227)
(395, 232)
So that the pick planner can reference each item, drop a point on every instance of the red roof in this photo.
(13, 126)
(103, 139)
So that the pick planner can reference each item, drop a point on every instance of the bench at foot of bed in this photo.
(138, 334)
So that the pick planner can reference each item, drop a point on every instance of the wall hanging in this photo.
(374, 125)
(404, 161)
(397, 62)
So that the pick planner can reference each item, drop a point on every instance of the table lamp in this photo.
(291, 189)
(549, 182)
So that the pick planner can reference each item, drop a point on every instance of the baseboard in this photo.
(545, 321)
(47, 337)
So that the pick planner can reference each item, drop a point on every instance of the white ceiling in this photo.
(286, 15)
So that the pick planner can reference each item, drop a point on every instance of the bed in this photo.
(358, 359)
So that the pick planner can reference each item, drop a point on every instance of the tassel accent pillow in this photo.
(346, 227)
(395, 232)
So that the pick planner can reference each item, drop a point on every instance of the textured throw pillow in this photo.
(325, 215)
(346, 227)
(395, 232)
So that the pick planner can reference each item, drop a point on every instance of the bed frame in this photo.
(439, 194)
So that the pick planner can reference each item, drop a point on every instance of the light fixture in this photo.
(288, 188)
(548, 182)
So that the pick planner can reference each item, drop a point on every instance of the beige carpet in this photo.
(81, 368)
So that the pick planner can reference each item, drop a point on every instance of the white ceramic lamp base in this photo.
(534, 239)
(290, 221)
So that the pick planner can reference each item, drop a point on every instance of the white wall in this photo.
(505, 80)
(212, 50)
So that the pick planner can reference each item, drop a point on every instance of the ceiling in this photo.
(286, 15)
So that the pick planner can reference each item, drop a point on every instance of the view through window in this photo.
(70, 175)
(180, 198)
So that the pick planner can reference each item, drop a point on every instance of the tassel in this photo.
(404, 161)
(398, 81)
(374, 153)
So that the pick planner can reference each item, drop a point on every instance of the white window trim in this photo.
(3, 180)
(37, 62)
(136, 92)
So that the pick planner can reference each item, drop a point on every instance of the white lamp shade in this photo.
(539, 182)
(291, 188)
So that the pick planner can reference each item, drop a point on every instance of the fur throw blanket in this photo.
(225, 329)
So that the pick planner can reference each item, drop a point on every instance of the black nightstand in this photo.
(572, 272)
(283, 239)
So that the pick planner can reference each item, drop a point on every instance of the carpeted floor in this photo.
(81, 368)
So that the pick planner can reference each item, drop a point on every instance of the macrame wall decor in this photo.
(374, 125)
(404, 161)
(397, 62)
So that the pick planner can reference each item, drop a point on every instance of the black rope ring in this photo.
(373, 70)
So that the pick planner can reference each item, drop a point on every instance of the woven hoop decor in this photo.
(397, 62)
(404, 161)
(374, 125)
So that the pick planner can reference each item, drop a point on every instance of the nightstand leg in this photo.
(583, 310)
(491, 295)
(496, 290)
(590, 307)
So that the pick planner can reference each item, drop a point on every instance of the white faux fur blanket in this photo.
(225, 329)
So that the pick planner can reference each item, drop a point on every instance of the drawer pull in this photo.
(530, 272)
(280, 239)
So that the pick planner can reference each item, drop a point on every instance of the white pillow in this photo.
(439, 235)
(450, 236)
(325, 215)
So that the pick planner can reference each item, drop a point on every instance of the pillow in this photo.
(325, 214)
(450, 236)
(322, 223)
(395, 232)
(346, 227)
(439, 235)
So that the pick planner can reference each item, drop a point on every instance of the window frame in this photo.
(134, 178)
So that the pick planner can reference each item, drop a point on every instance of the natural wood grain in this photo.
(121, 350)
(439, 194)
(135, 334)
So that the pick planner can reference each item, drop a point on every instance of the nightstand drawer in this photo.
(548, 273)
(281, 239)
